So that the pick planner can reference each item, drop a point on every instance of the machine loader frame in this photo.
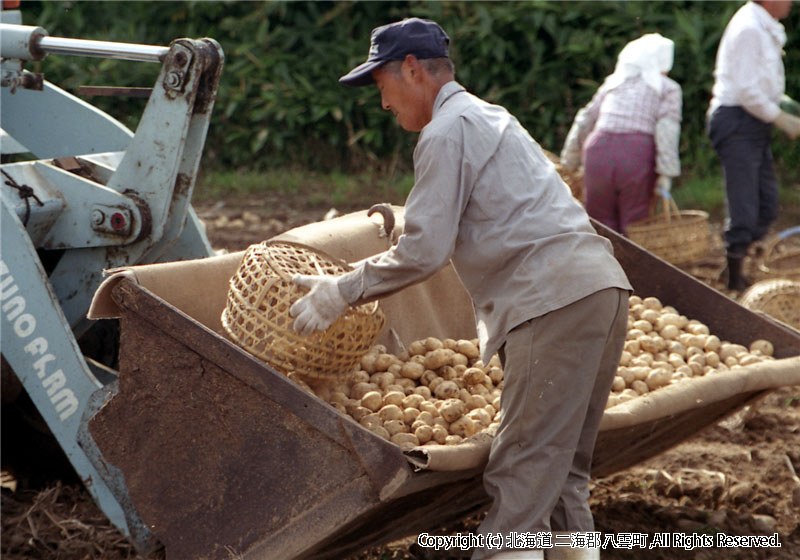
(93, 196)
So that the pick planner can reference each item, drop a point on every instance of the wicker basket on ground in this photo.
(778, 298)
(677, 236)
(257, 313)
(782, 255)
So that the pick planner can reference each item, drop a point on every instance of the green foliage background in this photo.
(280, 103)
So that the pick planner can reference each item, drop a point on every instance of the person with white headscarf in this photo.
(627, 136)
(749, 83)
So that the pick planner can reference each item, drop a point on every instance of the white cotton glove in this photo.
(789, 124)
(320, 307)
(664, 186)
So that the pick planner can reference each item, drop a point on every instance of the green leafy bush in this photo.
(280, 102)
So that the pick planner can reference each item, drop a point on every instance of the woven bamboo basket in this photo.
(777, 298)
(257, 313)
(782, 256)
(677, 236)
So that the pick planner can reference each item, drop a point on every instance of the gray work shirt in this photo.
(487, 197)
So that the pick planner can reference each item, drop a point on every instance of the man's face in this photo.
(400, 94)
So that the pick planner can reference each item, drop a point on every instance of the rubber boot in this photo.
(736, 280)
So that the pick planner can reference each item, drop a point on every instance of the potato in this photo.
(696, 327)
(459, 359)
(435, 359)
(370, 419)
(417, 348)
(652, 344)
(640, 387)
(452, 440)
(450, 344)
(468, 348)
(433, 343)
(390, 412)
(381, 431)
(395, 426)
(618, 384)
(712, 359)
(448, 373)
(410, 415)
(750, 359)
(626, 374)
(670, 332)
(675, 360)
(496, 375)
(368, 362)
(382, 379)
(446, 390)
(372, 400)
(651, 316)
(429, 406)
(632, 347)
(675, 347)
(338, 397)
(412, 370)
(763, 346)
(360, 389)
(643, 325)
(728, 350)
(613, 400)
(439, 434)
(668, 319)
(475, 401)
(652, 303)
(424, 433)
(423, 391)
(473, 376)
(480, 416)
(412, 401)
(452, 409)
(464, 427)
(658, 378)
(404, 440)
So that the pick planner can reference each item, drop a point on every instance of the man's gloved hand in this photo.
(789, 124)
(320, 307)
(664, 186)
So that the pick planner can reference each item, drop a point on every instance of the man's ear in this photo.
(412, 67)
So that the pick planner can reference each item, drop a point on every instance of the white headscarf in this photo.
(648, 56)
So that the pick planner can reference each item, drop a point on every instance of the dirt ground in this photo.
(739, 477)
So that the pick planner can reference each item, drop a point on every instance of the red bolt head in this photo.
(118, 221)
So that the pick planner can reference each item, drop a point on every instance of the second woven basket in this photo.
(678, 237)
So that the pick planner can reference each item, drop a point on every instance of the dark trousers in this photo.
(742, 143)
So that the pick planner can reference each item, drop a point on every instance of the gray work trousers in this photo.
(558, 370)
(743, 144)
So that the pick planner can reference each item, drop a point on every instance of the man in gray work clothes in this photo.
(547, 292)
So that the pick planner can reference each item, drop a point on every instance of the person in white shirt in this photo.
(548, 295)
(749, 82)
(627, 136)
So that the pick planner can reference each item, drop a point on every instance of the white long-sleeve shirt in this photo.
(749, 70)
(487, 197)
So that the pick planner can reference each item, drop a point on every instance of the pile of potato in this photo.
(439, 392)
(664, 347)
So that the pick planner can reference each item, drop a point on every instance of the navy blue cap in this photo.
(421, 37)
